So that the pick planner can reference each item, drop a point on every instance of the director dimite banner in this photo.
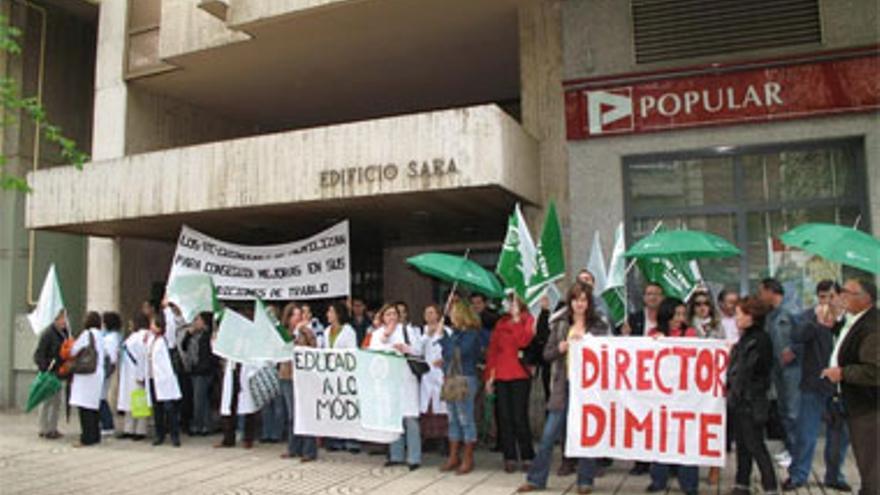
(640, 398)
(314, 268)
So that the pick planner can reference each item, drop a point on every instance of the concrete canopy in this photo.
(451, 174)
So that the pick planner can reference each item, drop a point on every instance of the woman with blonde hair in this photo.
(461, 351)
(392, 336)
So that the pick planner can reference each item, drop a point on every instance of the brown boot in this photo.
(714, 474)
(453, 461)
(467, 462)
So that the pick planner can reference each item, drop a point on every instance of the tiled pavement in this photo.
(29, 465)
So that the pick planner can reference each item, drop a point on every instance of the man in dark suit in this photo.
(643, 321)
(855, 368)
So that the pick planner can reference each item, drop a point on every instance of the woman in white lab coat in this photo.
(85, 390)
(132, 375)
(434, 424)
(163, 386)
(390, 337)
(236, 399)
(111, 334)
(340, 335)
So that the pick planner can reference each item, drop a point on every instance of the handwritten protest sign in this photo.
(313, 268)
(327, 394)
(645, 399)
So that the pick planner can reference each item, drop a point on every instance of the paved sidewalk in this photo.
(29, 465)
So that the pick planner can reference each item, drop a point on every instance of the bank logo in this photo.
(610, 111)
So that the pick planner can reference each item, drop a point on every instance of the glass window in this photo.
(750, 198)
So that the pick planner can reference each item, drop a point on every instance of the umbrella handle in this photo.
(467, 253)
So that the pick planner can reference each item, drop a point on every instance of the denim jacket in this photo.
(468, 342)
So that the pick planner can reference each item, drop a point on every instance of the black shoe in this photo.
(413, 467)
(790, 486)
(393, 463)
(354, 451)
(158, 441)
(652, 488)
(138, 438)
(175, 442)
(639, 469)
(841, 486)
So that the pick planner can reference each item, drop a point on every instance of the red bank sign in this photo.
(736, 95)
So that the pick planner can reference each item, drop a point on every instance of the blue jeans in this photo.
(688, 476)
(788, 397)
(106, 415)
(410, 440)
(297, 445)
(554, 428)
(273, 415)
(342, 444)
(813, 407)
(201, 421)
(462, 425)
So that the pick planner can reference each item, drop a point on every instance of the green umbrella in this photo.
(458, 269)
(688, 244)
(45, 385)
(838, 243)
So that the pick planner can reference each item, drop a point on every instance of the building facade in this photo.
(424, 122)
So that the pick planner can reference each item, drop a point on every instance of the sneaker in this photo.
(841, 486)
(783, 459)
(106, 433)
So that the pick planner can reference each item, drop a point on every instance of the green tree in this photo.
(13, 103)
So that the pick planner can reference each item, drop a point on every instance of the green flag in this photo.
(614, 292)
(672, 273)
(516, 265)
(270, 318)
(192, 293)
(49, 305)
(549, 256)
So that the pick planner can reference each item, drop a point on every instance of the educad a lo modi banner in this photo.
(313, 268)
(639, 398)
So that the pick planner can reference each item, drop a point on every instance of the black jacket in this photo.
(748, 376)
(204, 364)
(636, 323)
(49, 348)
(816, 343)
(859, 355)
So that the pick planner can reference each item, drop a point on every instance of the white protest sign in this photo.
(325, 389)
(314, 268)
(648, 399)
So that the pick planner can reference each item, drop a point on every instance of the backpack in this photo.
(86, 361)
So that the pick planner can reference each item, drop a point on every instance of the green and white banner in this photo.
(255, 342)
(348, 393)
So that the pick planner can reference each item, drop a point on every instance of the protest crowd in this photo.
(471, 368)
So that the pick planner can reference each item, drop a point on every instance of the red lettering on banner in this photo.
(683, 417)
(631, 424)
(685, 353)
(621, 365)
(721, 360)
(604, 367)
(704, 374)
(591, 361)
(663, 429)
(594, 411)
(613, 437)
(642, 382)
(706, 421)
(658, 382)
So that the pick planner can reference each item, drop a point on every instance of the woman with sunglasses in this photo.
(703, 317)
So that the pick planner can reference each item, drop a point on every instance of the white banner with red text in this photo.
(639, 398)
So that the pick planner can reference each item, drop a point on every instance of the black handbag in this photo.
(417, 365)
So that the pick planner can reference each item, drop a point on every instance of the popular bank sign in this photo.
(724, 95)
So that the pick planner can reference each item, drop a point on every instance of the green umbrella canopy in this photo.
(458, 269)
(688, 244)
(838, 243)
(45, 385)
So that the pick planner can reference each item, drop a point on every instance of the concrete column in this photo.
(543, 106)
(108, 141)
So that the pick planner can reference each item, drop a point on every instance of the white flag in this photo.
(596, 264)
(50, 304)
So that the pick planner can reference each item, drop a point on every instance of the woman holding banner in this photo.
(391, 337)
(748, 383)
(340, 335)
(672, 321)
(581, 321)
(460, 352)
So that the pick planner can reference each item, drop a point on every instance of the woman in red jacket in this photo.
(511, 381)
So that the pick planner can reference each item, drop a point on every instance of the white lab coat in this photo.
(410, 386)
(246, 403)
(160, 370)
(347, 338)
(111, 348)
(132, 368)
(85, 390)
(432, 381)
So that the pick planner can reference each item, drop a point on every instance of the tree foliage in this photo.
(14, 104)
